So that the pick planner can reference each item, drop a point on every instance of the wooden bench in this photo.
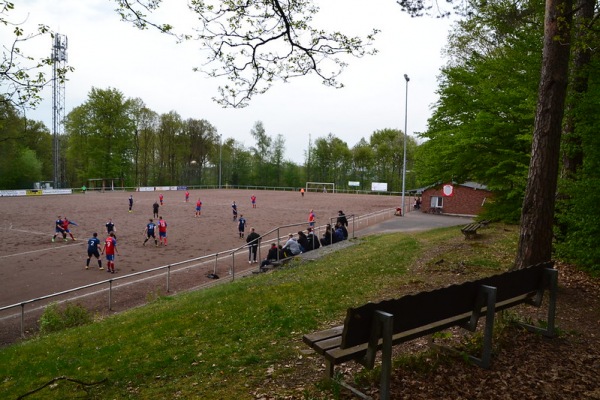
(470, 230)
(376, 326)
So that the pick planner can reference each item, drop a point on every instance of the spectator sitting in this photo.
(312, 240)
(327, 238)
(343, 229)
(303, 242)
(291, 247)
(338, 233)
(274, 254)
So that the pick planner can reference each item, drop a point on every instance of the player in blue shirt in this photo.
(234, 210)
(241, 225)
(92, 250)
(149, 231)
(58, 228)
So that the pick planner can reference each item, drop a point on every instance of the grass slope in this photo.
(219, 343)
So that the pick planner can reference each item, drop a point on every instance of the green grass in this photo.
(219, 343)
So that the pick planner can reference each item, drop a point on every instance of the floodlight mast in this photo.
(59, 60)
(405, 133)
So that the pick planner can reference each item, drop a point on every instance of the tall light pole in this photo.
(220, 157)
(404, 157)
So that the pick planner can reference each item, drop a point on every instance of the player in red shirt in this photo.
(66, 230)
(187, 196)
(110, 248)
(311, 219)
(253, 200)
(198, 208)
(160, 198)
(162, 231)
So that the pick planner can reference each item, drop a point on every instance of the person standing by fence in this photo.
(253, 241)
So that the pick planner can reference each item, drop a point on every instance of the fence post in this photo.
(233, 266)
(110, 295)
(168, 278)
(216, 260)
(22, 320)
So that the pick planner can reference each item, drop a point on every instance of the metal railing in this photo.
(273, 235)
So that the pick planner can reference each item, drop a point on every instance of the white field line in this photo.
(36, 251)
(10, 228)
(24, 231)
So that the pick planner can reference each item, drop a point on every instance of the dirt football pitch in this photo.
(31, 265)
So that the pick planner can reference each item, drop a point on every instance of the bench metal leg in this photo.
(485, 298)
(382, 328)
(550, 282)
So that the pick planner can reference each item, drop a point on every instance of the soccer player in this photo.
(110, 248)
(161, 198)
(241, 225)
(66, 229)
(58, 228)
(253, 200)
(234, 210)
(198, 208)
(311, 219)
(155, 207)
(149, 231)
(162, 231)
(130, 203)
(110, 227)
(92, 250)
(187, 196)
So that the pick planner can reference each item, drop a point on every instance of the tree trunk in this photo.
(535, 239)
(572, 151)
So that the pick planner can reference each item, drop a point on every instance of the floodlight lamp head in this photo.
(406, 77)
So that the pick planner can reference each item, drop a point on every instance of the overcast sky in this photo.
(108, 53)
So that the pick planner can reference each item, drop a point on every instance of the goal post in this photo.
(320, 187)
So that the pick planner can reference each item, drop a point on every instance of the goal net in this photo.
(320, 187)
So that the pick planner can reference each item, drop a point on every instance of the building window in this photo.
(437, 202)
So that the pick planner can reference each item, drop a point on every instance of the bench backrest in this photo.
(419, 310)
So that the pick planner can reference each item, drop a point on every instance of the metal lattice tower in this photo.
(59, 60)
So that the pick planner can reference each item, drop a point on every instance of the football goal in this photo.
(320, 187)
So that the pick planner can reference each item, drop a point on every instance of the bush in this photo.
(54, 319)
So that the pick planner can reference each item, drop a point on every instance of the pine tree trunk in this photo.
(535, 239)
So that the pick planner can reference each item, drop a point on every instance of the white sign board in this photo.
(379, 186)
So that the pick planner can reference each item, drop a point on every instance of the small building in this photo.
(465, 199)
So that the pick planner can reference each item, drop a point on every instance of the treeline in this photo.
(481, 127)
(112, 136)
